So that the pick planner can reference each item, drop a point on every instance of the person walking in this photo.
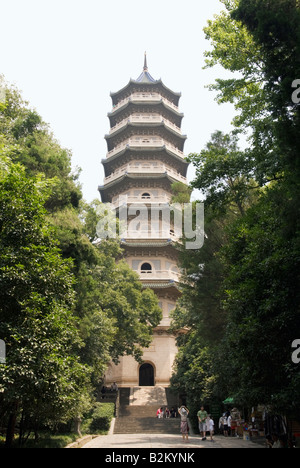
(229, 422)
(210, 426)
(184, 426)
(202, 416)
(225, 424)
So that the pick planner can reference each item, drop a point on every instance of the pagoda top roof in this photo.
(145, 78)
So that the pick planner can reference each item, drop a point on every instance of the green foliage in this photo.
(46, 440)
(247, 273)
(263, 299)
(99, 419)
(37, 150)
(43, 377)
(181, 193)
(68, 304)
(223, 172)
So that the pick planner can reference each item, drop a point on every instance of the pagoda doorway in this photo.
(146, 375)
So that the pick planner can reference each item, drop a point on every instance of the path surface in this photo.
(166, 441)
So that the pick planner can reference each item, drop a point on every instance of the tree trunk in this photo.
(78, 422)
(10, 433)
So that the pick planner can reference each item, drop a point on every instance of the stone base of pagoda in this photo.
(156, 369)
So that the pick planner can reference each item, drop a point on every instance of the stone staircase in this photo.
(137, 411)
(148, 396)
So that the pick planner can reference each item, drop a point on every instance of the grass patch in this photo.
(46, 440)
(97, 421)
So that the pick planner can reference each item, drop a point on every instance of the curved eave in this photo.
(108, 161)
(148, 243)
(104, 190)
(138, 103)
(145, 125)
(155, 176)
(141, 84)
(109, 138)
(161, 284)
(131, 246)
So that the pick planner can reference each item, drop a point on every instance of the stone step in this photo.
(124, 396)
(138, 408)
(138, 411)
(148, 396)
(146, 425)
(143, 420)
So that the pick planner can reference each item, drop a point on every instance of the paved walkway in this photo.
(166, 441)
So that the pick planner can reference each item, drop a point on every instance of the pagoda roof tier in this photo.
(134, 105)
(152, 145)
(129, 154)
(131, 129)
(138, 172)
(145, 85)
(150, 247)
(170, 286)
(123, 183)
(149, 243)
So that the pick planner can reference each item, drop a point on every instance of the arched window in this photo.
(146, 196)
(146, 268)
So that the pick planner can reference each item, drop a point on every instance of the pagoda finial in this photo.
(145, 62)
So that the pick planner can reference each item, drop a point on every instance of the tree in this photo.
(223, 173)
(235, 49)
(262, 304)
(260, 255)
(35, 147)
(81, 303)
(275, 27)
(43, 377)
(219, 169)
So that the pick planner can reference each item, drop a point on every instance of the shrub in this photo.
(101, 417)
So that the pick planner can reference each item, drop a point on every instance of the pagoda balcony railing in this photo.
(150, 234)
(137, 200)
(145, 119)
(144, 143)
(144, 97)
(159, 275)
(145, 169)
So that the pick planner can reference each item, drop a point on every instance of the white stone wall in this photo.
(160, 355)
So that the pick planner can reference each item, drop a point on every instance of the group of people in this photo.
(229, 422)
(206, 423)
(113, 389)
(166, 413)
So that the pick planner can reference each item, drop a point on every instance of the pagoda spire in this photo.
(145, 76)
(145, 62)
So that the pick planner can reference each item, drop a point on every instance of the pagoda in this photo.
(145, 157)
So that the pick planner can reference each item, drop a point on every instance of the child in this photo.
(210, 425)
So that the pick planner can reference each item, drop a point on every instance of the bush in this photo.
(99, 419)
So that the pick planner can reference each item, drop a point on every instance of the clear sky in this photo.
(66, 56)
